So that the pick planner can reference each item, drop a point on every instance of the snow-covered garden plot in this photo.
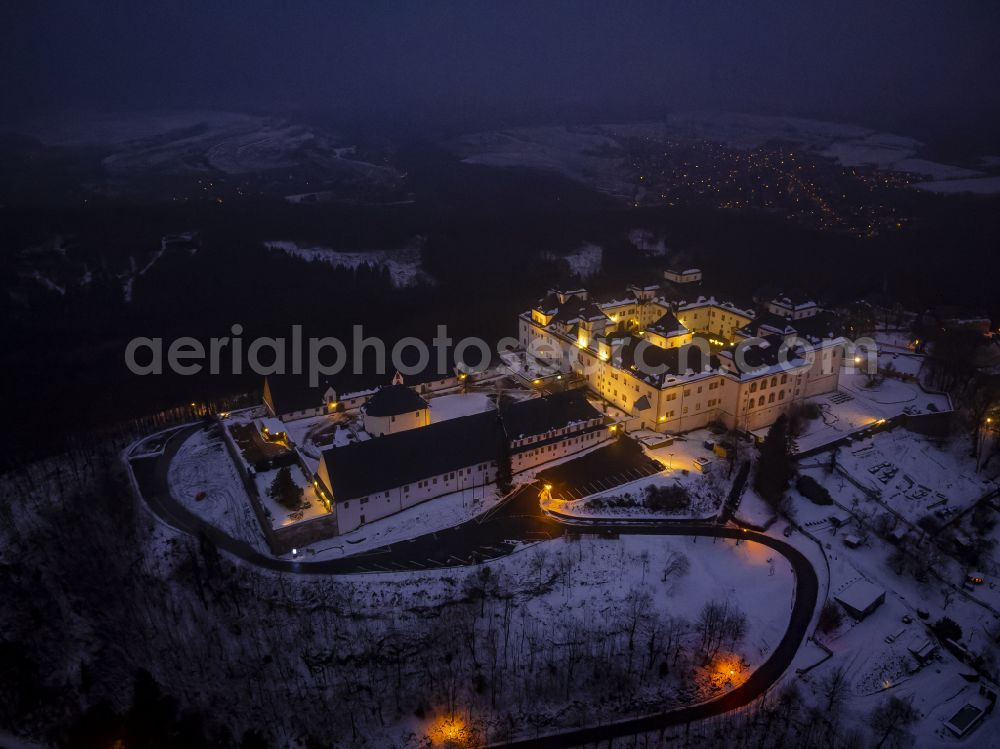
(907, 363)
(856, 405)
(910, 474)
(453, 405)
(311, 506)
(203, 478)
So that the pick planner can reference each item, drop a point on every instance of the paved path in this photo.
(493, 534)
(804, 605)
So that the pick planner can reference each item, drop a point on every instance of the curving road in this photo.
(806, 595)
(493, 534)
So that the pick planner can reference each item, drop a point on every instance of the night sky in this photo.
(410, 64)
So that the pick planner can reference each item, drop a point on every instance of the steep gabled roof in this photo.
(549, 304)
(668, 325)
(793, 299)
(364, 468)
(770, 352)
(657, 365)
(540, 415)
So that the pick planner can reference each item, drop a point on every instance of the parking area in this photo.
(603, 469)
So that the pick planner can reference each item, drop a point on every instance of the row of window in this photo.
(552, 447)
(763, 383)
(770, 399)
(547, 435)
(427, 482)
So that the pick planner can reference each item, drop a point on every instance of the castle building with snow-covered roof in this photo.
(675, 357)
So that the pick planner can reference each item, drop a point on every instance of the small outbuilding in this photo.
(860, 598)
(963, 721)
(395, 408)
(272, 429)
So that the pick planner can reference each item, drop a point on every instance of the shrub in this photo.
(830, 617)
(814, 491)
(947, 629)
(667, 498)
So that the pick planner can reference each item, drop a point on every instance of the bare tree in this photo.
(891, 721)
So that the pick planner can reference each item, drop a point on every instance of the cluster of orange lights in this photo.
(449, 731)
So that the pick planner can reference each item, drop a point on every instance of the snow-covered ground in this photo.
(753, 510)
(193, 141)
(649, 243)
(585, 261)
(749, 576)
(877, 668)
(906, 363)
(595, 154)
(454, 405)
(427, 517)
(203, 465)
(855, 406)
(910, 473)
(311, 506)
(403, 263)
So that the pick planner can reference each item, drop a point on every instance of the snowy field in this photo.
(598, 578)
(192, 142)
(403, 264)
(203, 465)
(595, 154)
